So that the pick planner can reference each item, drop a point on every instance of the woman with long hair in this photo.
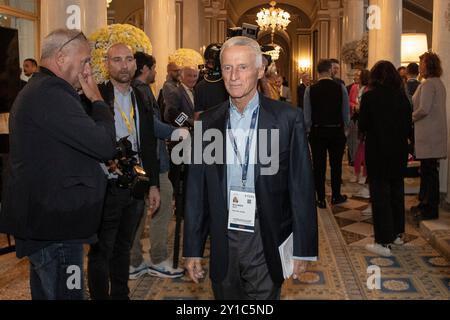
(385, 121)
(430, 126)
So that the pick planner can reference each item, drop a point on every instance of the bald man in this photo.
(109, 259)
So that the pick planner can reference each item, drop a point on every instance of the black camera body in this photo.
(212, 69)
(247, 30)
(132, 176)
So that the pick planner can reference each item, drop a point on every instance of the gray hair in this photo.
(184, 69)
(244, 42)
(57, 39)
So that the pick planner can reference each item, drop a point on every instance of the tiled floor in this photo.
(416, 271)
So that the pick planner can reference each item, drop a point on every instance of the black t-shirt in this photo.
(209, 94)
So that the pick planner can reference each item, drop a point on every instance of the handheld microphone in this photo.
(183, 120)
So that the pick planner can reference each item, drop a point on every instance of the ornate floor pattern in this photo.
(416, 271)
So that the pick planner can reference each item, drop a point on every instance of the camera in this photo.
(248, 30)
(131, 175)
(212, 58)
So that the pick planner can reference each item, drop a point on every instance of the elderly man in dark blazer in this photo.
(245, 260)
(181, 99)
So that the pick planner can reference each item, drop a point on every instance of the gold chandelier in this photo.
(275, 53)
(273, 19)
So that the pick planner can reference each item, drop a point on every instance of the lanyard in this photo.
(244, 166)
(127, 120)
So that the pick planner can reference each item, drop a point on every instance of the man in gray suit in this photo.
(181, 100)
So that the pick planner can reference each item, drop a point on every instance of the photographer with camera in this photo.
(128, 183)
(210, 91)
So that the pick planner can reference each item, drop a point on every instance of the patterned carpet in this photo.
(416, 271)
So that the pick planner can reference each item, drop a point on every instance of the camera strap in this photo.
(138, 142)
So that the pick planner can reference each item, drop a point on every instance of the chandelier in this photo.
(108, 2)
(273, 19)
(275, 53)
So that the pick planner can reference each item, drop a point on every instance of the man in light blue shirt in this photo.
(247, 208)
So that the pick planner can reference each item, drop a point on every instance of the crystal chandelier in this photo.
(275, 54)
(273, 19)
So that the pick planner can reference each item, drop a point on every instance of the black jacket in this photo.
(385, 120)
(56, 187)
(148, 142)
(285, 201)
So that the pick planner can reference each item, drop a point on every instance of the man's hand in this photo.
(154, 200)
(194, 268)
(89, 86)
(299, 268)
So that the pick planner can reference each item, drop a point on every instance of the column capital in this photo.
(333, 8)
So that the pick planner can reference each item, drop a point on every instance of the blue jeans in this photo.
(56, 272)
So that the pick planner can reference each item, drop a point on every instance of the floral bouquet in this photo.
(187, 58)
(356, 53)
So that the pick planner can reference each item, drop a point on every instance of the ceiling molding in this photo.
(418, 10)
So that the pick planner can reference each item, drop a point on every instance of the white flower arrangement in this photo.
(187, 58)
(356, 53)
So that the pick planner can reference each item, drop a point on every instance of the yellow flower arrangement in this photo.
(187, 58)
(104, 38)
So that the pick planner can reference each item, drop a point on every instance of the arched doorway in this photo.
(295, 41)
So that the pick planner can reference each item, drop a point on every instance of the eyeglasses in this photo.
(72, 39)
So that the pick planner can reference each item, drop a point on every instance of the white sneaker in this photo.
(137, 272)
(363, 193)
(399, 241)
(368, 211)
(353, 179)
(362, 180)
(379, 249)
(165, 270)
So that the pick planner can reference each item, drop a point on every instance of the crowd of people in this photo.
(91, 164)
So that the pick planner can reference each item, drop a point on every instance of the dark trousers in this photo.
(56, 272)
(109, 258)
(429, 188)
(388, 207)
(247, 275)
(331, 140)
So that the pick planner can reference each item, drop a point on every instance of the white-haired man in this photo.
(247, 211)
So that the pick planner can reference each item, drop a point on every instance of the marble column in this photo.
(385, 31)
(193, 24)
(87, 15)
(334, 50)
(441, 45)
(160, 26)
(353, 30)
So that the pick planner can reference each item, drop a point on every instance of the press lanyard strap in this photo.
(244, 166)
(128, 121)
